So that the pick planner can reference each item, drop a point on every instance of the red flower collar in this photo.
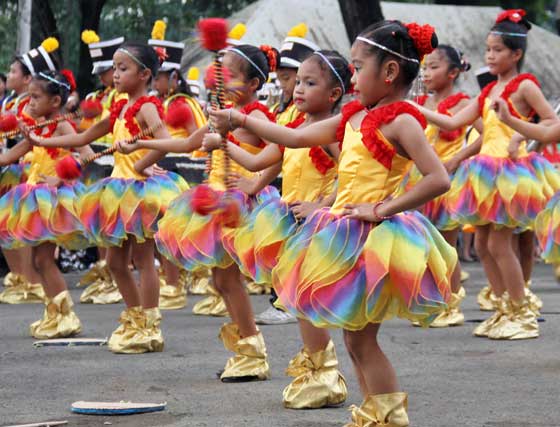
(509, 89)
(379, 149)
(443, 108)
(132, 111)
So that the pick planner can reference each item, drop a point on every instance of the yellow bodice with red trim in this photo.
(196, 110)
(44, 164)
(287, 116)
(445, 149)
(301, 180)
(124, 163)
(497, 135)
(361, 177)
(217, 172)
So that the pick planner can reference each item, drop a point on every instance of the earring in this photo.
(331, 98)
(387, 81)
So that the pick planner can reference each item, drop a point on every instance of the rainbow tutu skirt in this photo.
(31, 214)
(113, 209)
(501, 191)
(347, 273)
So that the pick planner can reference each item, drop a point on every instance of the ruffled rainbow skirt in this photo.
(113, 209)
(346, 273)
(547, 230)
(31, 214)
(194, 241)
(501, 191)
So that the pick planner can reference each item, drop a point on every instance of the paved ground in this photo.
(453, 379)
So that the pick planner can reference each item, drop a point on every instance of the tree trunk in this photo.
(358, 14)
(24, 27)
(91, 13)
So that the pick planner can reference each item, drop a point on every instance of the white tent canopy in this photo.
(464, 27)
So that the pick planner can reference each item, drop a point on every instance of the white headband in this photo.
(501, 33)
(386, 49)
(132, 56)
(324, 58)
(52, 79)
(255, 66)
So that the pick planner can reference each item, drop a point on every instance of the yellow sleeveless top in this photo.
(496, 134)
(42, 164)
(361, 178)
(301, 181)
(217, 172)
(444, 149)
(288, 115)
(198, 115)
(124, 163)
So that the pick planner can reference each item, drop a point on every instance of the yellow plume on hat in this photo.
(158, 31)
(237, 31)
(193, 74)
(89, 37)
(300, 30)
(50, 44)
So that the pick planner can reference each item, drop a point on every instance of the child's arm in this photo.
(406, 131)
(464, 117)
(253, 185)
(167, 145)
(541, 132)
(253, 162)
(15, 153)
(70, 140)
(320, 133)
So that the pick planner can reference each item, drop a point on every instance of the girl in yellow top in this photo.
(43, 212)
(441, 69)
(121, 212)
(364, 260)
(308, 178)
(195, 240)
(503, 187)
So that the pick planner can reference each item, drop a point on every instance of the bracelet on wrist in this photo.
(376, 208)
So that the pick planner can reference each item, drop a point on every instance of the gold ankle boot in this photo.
(20, 291)
(319, 385)
(250, 360)
(501, 309)
(452, 316)
(535, 303)
(212, 305)
(138, 332)
(254, 289)
(387, 410)
(464, 276)
(101, 292)
(59, 320)
(199, 282)
(172, 297)
(557, 271)
(98, 271)
(520, 324)
(485, 299)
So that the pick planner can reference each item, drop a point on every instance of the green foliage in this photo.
(8, 29)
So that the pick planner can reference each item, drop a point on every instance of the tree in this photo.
(358, 14)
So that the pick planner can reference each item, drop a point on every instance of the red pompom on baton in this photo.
(91, 108)
(68, 168)
(204, 199)
(213, 33)
(8, 123)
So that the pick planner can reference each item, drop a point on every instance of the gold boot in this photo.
(464, 276)
(520, 324)
(101, 292)
(250, 360)
(485, 299)
(139, 332)
(452, 316)
(254, 289)
(501, 307)
(98, 271)
(59, 320)
(557, 271)
(535, 303)
(200, 282)
(172, 297)
(298, 365)
(212, 305)
(387, 410)
(320, 385)
(20, 291)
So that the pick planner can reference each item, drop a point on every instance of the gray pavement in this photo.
(452, 378)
